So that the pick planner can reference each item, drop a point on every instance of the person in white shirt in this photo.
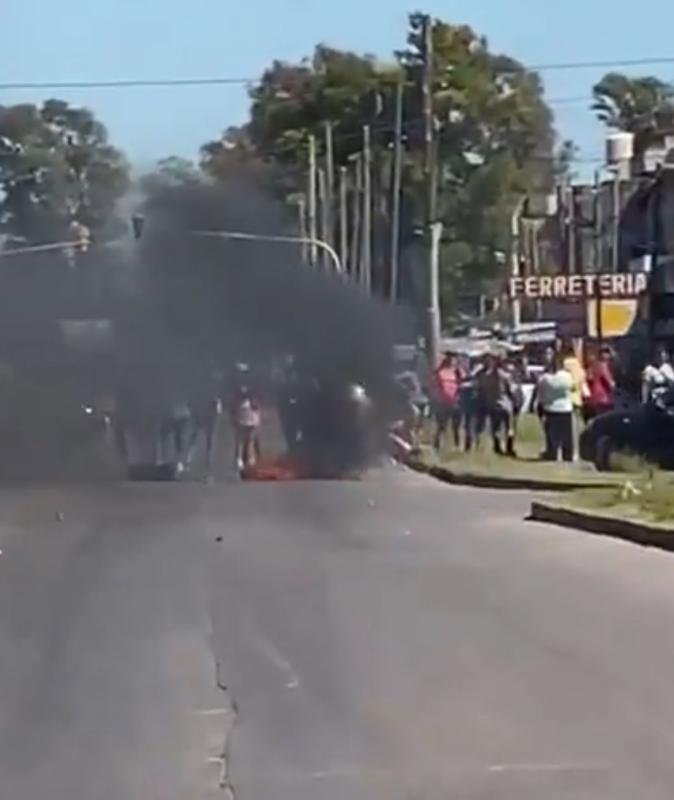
(658, 376)
(554, 392)
(246, 418)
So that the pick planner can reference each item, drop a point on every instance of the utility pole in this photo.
(313, 222)
(366, 259)
(598, 224)
(433, 226)
(615, 249)
(571, 229)
(515, 254)
(302, 217)
(323, 212)
(343, 216)
(397, 180)
(329, 232)
(598, 250)
(356, 239)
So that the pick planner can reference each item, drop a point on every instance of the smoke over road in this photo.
(256, 301)
(180, 304)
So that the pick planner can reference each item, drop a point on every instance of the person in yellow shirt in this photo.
(574, 366)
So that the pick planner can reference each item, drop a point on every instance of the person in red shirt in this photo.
(447, 380)
(599, 390)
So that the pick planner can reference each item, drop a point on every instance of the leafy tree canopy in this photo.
(494, 130)
(643, 106)
(171, 172)
(56, 166)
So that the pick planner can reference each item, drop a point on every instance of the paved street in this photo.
(393, 638)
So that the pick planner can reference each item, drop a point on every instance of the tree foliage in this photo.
(56, 166)
(643, 106)
(171, 172)
(494, 130)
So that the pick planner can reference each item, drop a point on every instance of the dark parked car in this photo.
(646, 431)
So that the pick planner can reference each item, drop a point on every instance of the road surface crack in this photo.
(225, 776)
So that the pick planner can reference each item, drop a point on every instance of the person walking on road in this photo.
(447, 382)
(555, 397)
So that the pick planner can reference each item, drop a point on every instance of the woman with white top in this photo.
(554, 392)
(658, 376)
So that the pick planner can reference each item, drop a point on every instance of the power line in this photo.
(224, 81)
(625, 62)
(127, 84)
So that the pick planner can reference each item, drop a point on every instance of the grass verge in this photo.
(527, 466)
(647, 498)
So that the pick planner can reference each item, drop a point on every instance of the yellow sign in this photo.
(617, 317)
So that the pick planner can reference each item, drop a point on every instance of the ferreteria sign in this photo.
(560, 287)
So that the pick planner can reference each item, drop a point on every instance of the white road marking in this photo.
(213, 712)
(272, 653)
(547, 767)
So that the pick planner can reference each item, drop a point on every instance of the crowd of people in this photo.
(470, 396)
(163, 423)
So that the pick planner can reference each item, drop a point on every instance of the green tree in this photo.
(495, 143)
(171, 172)
(643, 106)
(495, 137)
(56, 166)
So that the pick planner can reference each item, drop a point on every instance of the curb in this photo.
(500, 482)
(648, 535)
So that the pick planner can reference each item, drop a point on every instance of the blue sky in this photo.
(62, 40)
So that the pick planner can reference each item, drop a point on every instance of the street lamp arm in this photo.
(260, 237)
(39, 248)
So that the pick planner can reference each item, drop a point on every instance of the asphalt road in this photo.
(392, 638)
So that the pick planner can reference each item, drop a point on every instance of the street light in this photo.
(42, 248)
(259, 237)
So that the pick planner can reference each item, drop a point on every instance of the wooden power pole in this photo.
(433, 226)
(356, 237)
(397, 181)
(323, 214)
(343, 217)
(329, 232)
(366, 256)
(311, 204)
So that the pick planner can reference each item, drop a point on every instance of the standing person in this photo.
(496, 403)
(517, 378)
(469, 404)
(173, 429)
(555, 396)
(289, 397)
(600, 395)
(409, 407)
(573, 365)
(658, 376)
(447, 380)
(245, 417)
(206, 409)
